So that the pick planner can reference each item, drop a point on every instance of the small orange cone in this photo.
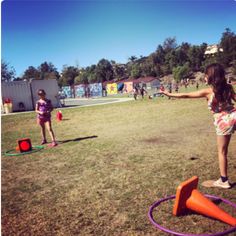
(59, 116)
(188, 197)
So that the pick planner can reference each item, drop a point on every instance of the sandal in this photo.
(44, 142)
(53, 144)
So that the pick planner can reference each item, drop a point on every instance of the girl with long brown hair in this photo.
(220, 96)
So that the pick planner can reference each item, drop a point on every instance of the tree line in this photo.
(169, 58)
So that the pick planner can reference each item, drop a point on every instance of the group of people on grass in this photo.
(137, 90)
(220, 96)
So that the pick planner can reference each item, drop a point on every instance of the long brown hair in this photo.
(223, 91)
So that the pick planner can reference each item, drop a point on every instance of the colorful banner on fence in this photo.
(128, 87)
(112, 88)
(95, 90)
(80, 90)
(67, 91)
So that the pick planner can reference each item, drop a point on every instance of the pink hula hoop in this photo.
(150, 216)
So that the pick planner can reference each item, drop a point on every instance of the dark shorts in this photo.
(42, 120)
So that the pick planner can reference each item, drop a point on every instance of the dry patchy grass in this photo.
(111, 164)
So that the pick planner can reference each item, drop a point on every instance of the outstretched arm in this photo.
(196, 94)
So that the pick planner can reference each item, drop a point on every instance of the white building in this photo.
(24, 92)
(211, 50)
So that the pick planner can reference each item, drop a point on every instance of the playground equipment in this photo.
(188, 197)
(23, 147)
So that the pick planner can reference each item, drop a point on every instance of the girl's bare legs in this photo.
(43, 133)
(222, 145)
(49, 128)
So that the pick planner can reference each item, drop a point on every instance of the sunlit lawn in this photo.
(112, 163)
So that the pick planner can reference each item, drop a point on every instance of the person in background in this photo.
(169, 88)
(197, 85)
(142, 91)
(135, 91)
(176, 88)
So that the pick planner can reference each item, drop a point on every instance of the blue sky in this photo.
(83, 32)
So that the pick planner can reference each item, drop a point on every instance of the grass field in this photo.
(111, 164)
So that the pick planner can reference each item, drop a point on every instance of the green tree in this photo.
(91, 74)
(196, 57)
(181, 72)
(68, 75)
(159, 56)
(228, 44)
(82, 78)
(150, 67)
(48, 71)
(147, 69)
(182, 53)
(104, 71)
(31, 73)
(119, 70)
(234, 67)
(171, 60)
(17, 79)
(135, 71)
(169, 44)
(132, 59)
(165, 56)
(165, 69)
(7, 72)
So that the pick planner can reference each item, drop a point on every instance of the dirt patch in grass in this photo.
(159, 140)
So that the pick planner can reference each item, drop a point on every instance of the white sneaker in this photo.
(219, 183)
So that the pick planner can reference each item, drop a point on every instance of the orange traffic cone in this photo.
(188, 197)
(59, 116)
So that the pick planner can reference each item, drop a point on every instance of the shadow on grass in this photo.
(233, 185)
(68, 106)
(76, 139)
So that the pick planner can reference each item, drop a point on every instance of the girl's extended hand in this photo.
(164, 92)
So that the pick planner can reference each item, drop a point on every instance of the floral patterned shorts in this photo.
(225, 122)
